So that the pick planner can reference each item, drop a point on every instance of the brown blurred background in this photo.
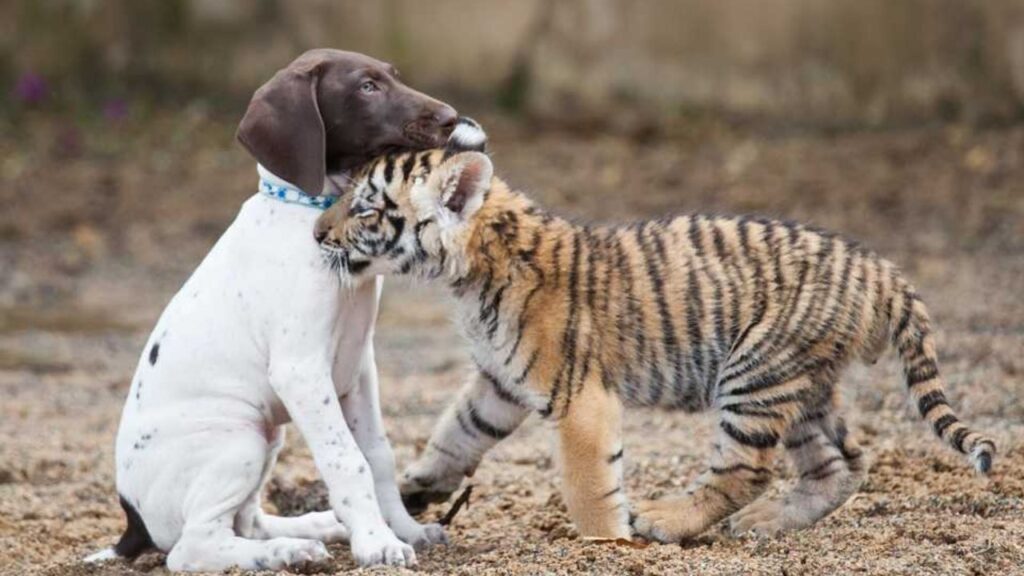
(897, 122)
(843, 63)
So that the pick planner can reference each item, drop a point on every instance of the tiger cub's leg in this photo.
(750, 428)
(831, 468)
(590, 453)
(483, 414)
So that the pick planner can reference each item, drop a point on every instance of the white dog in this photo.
(262, 335)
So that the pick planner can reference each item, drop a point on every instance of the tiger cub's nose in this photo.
(320, 232)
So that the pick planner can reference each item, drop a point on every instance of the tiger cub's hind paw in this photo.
(764, 517)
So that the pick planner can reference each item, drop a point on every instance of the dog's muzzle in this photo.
(428, 133)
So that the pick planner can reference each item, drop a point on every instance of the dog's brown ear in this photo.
(283, 129)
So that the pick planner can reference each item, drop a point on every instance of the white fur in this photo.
(102, 556)
(429, 199)
(262, 334)
(468, 135)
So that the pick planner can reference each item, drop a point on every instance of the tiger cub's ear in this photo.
(463, 180)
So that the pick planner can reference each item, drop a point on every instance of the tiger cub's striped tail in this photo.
(912, 337)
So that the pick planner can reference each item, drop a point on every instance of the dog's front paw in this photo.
(285, 552)
(376, 547)
(420, 536)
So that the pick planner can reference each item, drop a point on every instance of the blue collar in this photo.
(282, 191)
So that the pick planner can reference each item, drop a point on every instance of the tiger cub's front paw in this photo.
(421, 485)
(669, 521)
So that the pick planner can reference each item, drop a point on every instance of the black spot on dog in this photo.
(154, 354)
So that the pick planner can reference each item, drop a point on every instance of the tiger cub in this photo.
(750, 317)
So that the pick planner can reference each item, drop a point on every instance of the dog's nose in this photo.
(446, 117)
(319, 235)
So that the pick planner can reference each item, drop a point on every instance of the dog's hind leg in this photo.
(218, 493)
(253, 522)
(323, 526)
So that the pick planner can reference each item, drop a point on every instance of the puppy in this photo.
(261, 335)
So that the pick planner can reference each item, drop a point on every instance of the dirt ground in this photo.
(101, 225)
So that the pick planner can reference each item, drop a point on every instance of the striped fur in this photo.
(751, 317)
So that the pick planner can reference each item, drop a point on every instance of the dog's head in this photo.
(332, 110)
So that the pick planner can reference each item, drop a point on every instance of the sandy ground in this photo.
(96, 236)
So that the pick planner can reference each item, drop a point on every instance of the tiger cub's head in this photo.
(408, 213)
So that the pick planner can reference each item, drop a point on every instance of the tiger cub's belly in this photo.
(673, 392)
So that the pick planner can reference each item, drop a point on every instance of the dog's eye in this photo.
(369, 87)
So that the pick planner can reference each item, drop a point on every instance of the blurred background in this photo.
(900, 123)
(604, 62)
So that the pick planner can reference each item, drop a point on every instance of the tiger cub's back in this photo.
(674, 311)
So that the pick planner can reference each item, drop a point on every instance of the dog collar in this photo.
(282, 191)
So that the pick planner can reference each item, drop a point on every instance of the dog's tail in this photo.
(133, 542)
